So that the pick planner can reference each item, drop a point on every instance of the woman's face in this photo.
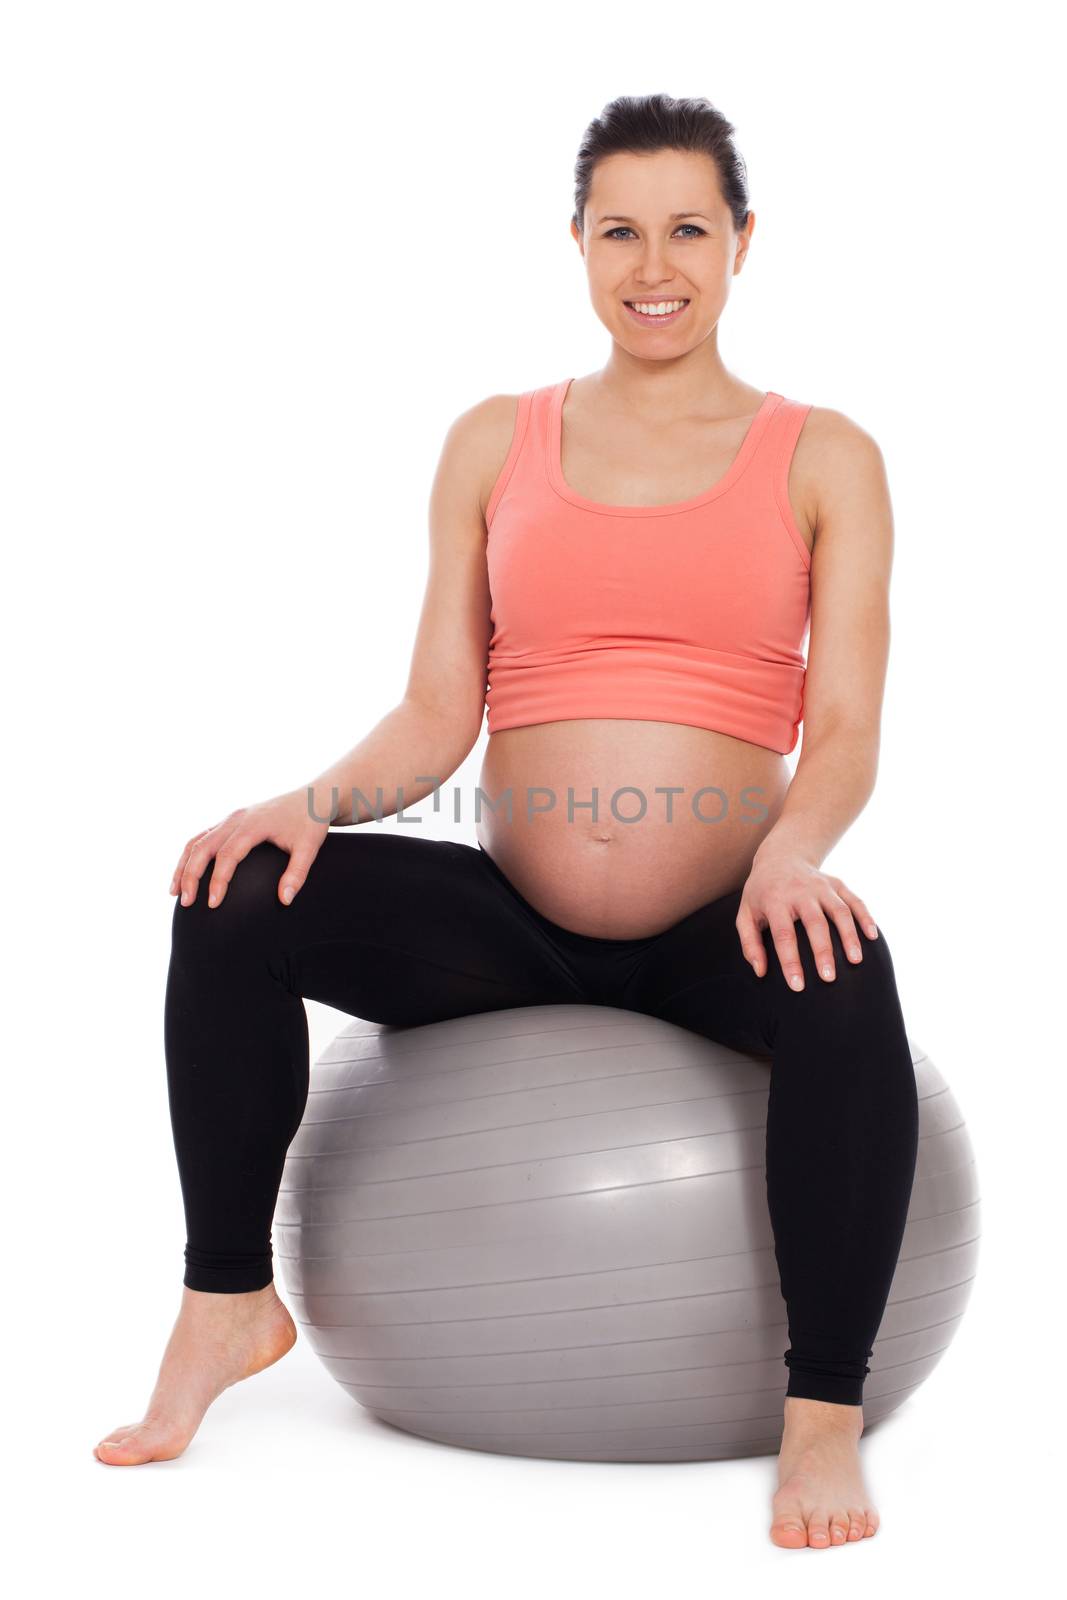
(657, 229)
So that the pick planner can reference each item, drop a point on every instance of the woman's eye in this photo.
(613, 233)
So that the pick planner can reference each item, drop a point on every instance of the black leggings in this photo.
(400, 930)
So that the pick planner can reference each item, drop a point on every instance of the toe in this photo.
(789, 1532)
(114, 1449)
(118, 1434)
(857, 1522)
(819, 1532)
(129, 1447)
(839, 1527)
(872, 1524)
(113, 1442)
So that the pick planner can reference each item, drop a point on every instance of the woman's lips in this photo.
(662, 320)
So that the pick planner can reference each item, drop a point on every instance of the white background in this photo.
(258, 257)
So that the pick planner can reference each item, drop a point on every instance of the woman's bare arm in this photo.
(845, 683)
(848, 647)
(427, 735)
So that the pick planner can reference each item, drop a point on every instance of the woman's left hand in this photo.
(781, 889)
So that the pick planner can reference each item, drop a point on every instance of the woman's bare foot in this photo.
(217, 1340)
(822, 1499)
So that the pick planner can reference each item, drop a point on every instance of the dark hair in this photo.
(644, 123)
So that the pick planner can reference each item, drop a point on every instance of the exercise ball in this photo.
(544, 1232)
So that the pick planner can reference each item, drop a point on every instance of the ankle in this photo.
(821, 1416)
(212, 1303)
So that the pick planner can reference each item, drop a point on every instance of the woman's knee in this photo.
(864, 987)
(250, 901)
(861, 998)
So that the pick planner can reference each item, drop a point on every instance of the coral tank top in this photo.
(694, 612)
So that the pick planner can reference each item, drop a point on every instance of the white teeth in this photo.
(658, 309)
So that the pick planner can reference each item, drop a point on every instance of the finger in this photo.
(751, 941)
(785, 942)
(295, 875)
(176, 875)
(845, 926)
(182, 859)
(227, 858)
(199, 856)
(870, 927)
(818, 931)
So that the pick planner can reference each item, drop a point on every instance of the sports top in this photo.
(694, 612)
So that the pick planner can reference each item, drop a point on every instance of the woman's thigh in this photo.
(387, 927)
(697, 975)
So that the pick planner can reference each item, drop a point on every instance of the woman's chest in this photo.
(729, 579)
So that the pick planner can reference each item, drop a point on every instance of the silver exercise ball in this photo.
(544, 1232)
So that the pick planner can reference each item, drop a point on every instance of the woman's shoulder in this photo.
(494, 417)
(833, 437)
(482, 436)
(488, 421)
(834, 453)
(838, 474)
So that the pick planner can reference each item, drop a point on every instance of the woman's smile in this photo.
(641, 311)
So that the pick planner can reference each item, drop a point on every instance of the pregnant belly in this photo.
(618, 829)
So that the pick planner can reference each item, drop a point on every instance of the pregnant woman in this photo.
(624, 566)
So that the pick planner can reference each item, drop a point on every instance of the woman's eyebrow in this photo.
(675, 217)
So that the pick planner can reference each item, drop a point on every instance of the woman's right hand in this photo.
(285, 821)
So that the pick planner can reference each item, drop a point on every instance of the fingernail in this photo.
(827, 972)
(212, 899)
(872, 930)
(185, 897)
(797, 981)
(287, 894)
(855, 952)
